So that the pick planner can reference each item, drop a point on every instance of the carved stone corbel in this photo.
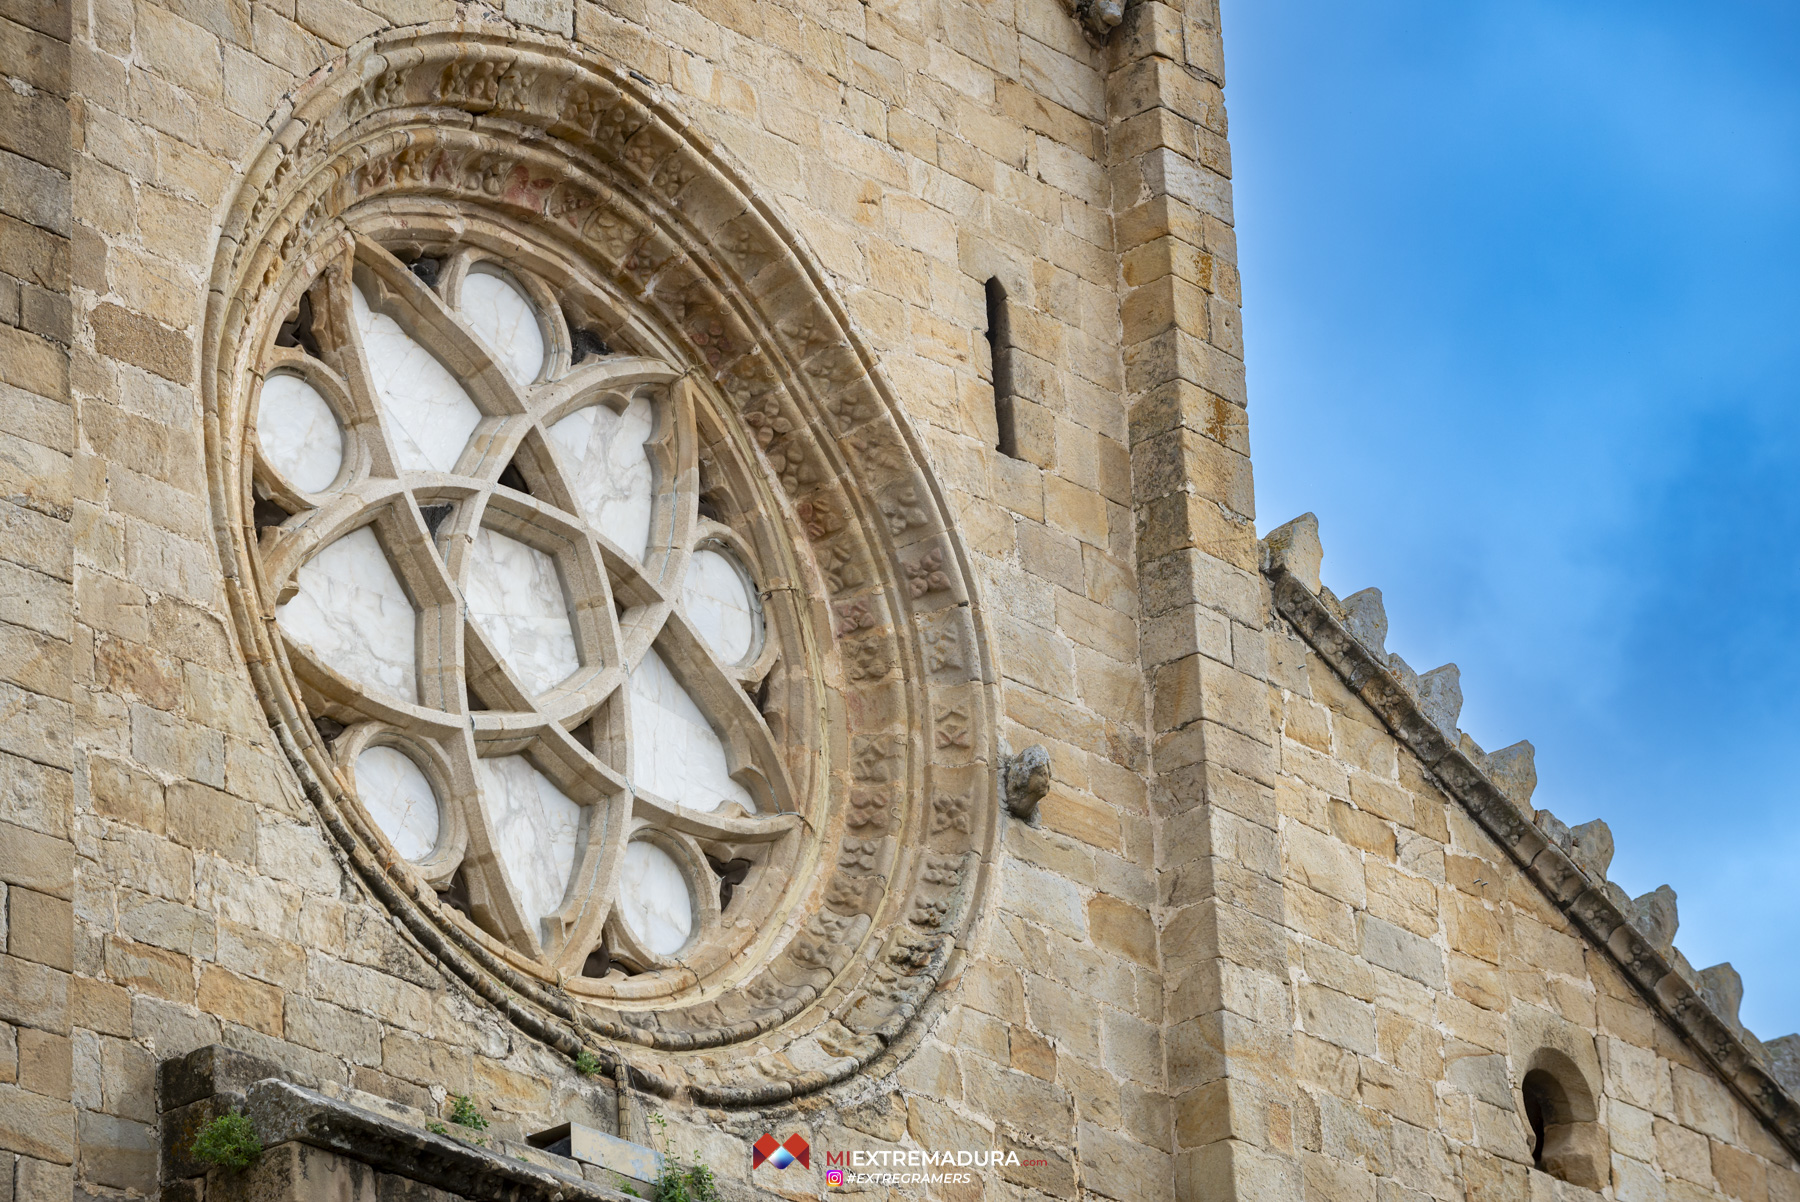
(1099, 17)
(1024, 779)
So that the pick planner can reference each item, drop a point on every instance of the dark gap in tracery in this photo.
(598, 962)
(475, 703)
(426, 269)
(731, 874)
(514, 479)
(268, 513)
(999, 336)
(434, 516)
(585, 344)
(456, 895)
(297, 331)
(328, 728)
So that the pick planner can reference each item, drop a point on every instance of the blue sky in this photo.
(1522, 311)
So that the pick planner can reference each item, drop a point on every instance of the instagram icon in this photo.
(834, 1176)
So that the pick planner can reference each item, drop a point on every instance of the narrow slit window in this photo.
(1561, 1121)
(999, 336)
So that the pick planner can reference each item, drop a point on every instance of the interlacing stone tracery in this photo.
(601, 599)
(553, 738)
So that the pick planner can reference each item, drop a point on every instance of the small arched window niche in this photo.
(1561, 1121)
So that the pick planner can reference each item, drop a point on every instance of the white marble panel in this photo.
(676, 753)
(612, 476)
(537, 828)
(429, 415)
(716, 596)
(515, 595)
(299, 433)
(353, 613)
(400, 799)
(654, 899)
(497, 311)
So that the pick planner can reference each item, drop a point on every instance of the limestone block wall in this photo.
(1248, 948)
(1425, 971)
(37, 638)
(920, 147)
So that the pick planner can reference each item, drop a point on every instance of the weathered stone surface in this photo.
(1592, 847)
(143, 342)
(1295, 546)
(206, 1072)
(1784, 1060)
(37, 1126)
(1367, 620)
(1655, 917)
(1440, 697)
(1404, 952)
(1279, 931)
(1515, 917)
(1514, 772)
(117, 1152)
(288, 1114)
(1723, 990)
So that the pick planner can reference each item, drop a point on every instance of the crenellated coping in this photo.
(1568, 864)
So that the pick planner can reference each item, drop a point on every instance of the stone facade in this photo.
(1275, 931)
(1444, 939)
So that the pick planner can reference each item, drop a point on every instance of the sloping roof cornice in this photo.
(1571, 890)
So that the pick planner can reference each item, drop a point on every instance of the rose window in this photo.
(601, 602)
(516, 571)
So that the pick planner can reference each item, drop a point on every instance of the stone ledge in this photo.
(385, 1136)
(1582, 899)
(211, 1071)
(287, 1113)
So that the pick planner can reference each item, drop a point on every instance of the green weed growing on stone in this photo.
(682, 1182)
(588, 1064)
(464, 1114)
(228, 1142)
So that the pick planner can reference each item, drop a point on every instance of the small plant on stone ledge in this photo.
(588, 1064)
(680, 1181)
(464, 1114)
(228, 1142)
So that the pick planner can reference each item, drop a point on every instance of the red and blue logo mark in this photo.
(780, 1155)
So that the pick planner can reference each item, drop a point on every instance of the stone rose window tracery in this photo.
(494, 570)
(597, 593)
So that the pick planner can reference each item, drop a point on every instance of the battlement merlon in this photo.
(1568, 864)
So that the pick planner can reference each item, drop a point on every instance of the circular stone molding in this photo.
(828, 902)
